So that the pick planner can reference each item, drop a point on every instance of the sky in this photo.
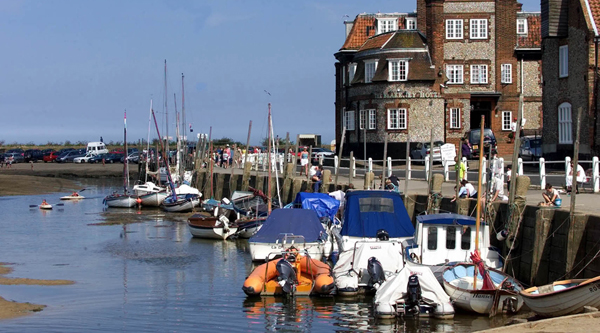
(70, 68)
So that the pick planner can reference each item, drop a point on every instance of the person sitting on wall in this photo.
(317, 178)
(467, 190)
(498, 189)
(551, 197)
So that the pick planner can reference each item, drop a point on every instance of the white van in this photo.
(95, 148)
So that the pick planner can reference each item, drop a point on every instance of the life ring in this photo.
(415, 258)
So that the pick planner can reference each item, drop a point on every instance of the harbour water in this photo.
(141, 271)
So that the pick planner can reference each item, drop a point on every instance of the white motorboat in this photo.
(284, 228)
(412, 291)
(480, 294)
(563, 298)
(205, 225)
(355, 270)
(181, 203)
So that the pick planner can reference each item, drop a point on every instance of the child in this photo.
(551, 197)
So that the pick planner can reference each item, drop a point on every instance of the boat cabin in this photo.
(441, 238)
(95, 148)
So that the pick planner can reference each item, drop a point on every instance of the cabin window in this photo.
(451, 238)
(376, 205)
(465, 239)
(432, 238)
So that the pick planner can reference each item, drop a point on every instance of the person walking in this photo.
(304, 162)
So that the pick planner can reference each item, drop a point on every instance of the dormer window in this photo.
(386, 25)
(398, 70)
(522, 26)
(370, 67)
(411, 23)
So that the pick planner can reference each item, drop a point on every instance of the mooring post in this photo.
(350, 169)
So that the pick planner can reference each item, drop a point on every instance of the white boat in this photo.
(442, 240)
(563, 297)
(186, 189)
(284, 228)
(46, 206)
(153, 199)
(367, 212)
(120, 200)
(147, 188)
(412, 291)
(352, 271)
(72, 197)
(471, 294)
(205, 225)
(182, 203)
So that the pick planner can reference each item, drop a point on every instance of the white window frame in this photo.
(522, 26)
(411, 21)
(348, 120)
(369, 76)
(479, 29)
(479, 74)
(351, 72)
(372, 119)
(454, 118)
(387, 24)
(563, 61)
(506, 73)
(458, 78)
(362, 119)
(565, 124)
(399, 116)
(397, 70)
(454, 29)
(507, 120)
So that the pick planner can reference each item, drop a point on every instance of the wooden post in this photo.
(365, 148)
(285, 152)
(517, 139)
(309, 161)
(351, 169)
(430, 178)
(341, 147)
(406, 171)
(575, 161)
(458, 167)
(385, 141)
(478, 217)
(294, 160)
(248, 142)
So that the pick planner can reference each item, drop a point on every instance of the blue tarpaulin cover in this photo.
(321, 203)
(304, 222)
(369, 211)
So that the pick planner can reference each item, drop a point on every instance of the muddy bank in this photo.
(579, 323)
(11, 309)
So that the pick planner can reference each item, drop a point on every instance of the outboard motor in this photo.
(286, 274)
(413, 295)
(383, 235)
(376, 272)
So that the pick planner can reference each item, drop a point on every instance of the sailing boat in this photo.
(150, 194)
(475, 287)
(123, 200)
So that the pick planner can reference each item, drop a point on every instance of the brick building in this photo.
(570, 43)
(440, 68)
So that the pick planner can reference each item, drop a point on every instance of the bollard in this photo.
(427, 168)
(408, 169)
(389, 166)
(335, 162)
(464, 160)
(321, 157)
(326, 180)
(567, 167)
(501, 168)
(595, 176)
(368, 180)
(351, 171)
(446, 170)
(484, 171)
(370, 165)
(353, 166)
(542, 173)
(520, 166)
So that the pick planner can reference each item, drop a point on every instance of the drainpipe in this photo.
(595, 94)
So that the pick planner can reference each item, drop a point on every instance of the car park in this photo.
(97, 158)
(132, 158)
(84, 158)
(16, 157)
(112, 158)
(33, 155)
(69, 156)
(489, 142)
(531, 148)
(50, 157)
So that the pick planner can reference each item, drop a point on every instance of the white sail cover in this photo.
(186, 189)
(394, 289)
(351, 269)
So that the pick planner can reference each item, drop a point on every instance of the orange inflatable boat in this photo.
(295, 275)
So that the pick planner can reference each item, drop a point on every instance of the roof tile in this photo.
(533, 39)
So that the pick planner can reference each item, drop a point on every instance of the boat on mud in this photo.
(563, 298)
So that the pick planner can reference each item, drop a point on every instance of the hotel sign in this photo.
(409, 94)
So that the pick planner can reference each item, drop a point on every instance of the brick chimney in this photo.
(421, 16)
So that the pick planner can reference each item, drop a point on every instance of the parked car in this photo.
(69, 156)
(489, 142)
(17, 157)
(33, 155)
(50, 157)
(531, 147)
(112, 158)
(132, 158)
(84, 158)
(318, 152)
(98, 158)
(422, 150)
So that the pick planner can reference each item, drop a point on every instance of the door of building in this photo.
(478, 109)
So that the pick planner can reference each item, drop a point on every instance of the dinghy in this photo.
(205, 225)
(563, 298)
(293, 274)
(153, 199)
(413, 291)
(72, 197)
(490, 289)
(120, 200)
(46, 206)
(366, 266)
(181, 203)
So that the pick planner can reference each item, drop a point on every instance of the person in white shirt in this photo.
(508, 175)
(339, 195)
(498, 189)
(550, 196)
(580, 176)
(467, 190)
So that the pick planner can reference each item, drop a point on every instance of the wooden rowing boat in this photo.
(562, 298)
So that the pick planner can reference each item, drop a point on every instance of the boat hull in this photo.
(208, 226)
(184, 203)
(480, 301)
(153, 199)
(46, 207)
(72, 197)
(120, 201)
(563, 302)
